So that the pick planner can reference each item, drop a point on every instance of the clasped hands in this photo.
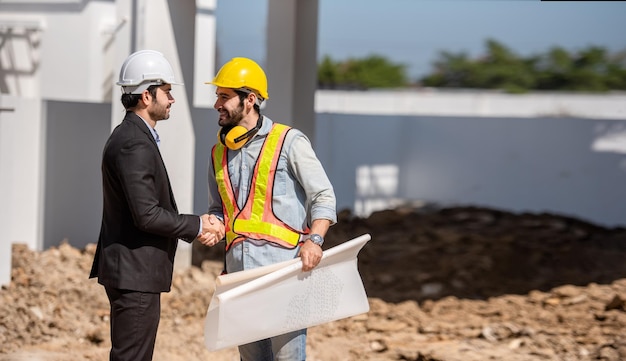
(212, 230)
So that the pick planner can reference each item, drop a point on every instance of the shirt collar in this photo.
(155, 135)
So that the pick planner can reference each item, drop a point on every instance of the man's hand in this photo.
(311, 255)
(212, 230)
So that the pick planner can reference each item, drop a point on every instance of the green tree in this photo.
(591, 69)
(552, 69)
(327, 73)
(451, 71)
(503, 69)
(616, 71)
(500, 68)
(374, 71)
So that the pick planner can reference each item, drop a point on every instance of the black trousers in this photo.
(134, 323)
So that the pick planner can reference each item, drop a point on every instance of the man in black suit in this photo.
(140, 223)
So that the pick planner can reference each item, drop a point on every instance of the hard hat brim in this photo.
(140, 88)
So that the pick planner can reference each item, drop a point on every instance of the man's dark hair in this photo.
(130, 101)
(243, 95)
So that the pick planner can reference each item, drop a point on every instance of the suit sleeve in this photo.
(147, 191)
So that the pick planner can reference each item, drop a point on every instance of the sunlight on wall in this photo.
(19, 55)
(610, 138)
(376, 188)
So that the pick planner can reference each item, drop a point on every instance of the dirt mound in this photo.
(450, 284)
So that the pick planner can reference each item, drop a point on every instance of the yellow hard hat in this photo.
(240, 73)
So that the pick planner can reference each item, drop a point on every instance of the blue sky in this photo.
(413, 32)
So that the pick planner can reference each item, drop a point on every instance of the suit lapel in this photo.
(135, 119)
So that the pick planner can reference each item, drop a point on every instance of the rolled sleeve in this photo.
(312, 177)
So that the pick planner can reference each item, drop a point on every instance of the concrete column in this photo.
(204, 60)
(22, 145)
(22, 140)
(292, 63)
(168, 26)
(124, 40)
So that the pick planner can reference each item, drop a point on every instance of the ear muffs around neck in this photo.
(235, 136)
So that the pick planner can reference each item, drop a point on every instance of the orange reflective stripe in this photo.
(223, 184)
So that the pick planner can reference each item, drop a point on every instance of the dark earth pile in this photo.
(450, 284)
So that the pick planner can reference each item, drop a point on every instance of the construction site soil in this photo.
(463, 283)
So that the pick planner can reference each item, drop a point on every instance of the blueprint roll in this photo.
(252, 305)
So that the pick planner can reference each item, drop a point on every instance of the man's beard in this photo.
(159, 112)
(233, 118)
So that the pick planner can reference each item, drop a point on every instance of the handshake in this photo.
(212, 230)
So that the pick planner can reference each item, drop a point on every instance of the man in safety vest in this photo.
(269, 189)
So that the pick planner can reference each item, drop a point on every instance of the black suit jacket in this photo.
(140, 221)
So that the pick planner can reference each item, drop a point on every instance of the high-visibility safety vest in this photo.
(256, 219)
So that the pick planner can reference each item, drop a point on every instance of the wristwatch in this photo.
(317, 239)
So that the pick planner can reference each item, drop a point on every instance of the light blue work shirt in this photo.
(302, 193)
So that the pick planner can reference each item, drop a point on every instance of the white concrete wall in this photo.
(60, 52)
(20, 53)
(22, 145)
(472, 103)
(60, 62)
(77, 53)
(537, 153)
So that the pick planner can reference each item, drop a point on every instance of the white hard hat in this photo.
(145, 68)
